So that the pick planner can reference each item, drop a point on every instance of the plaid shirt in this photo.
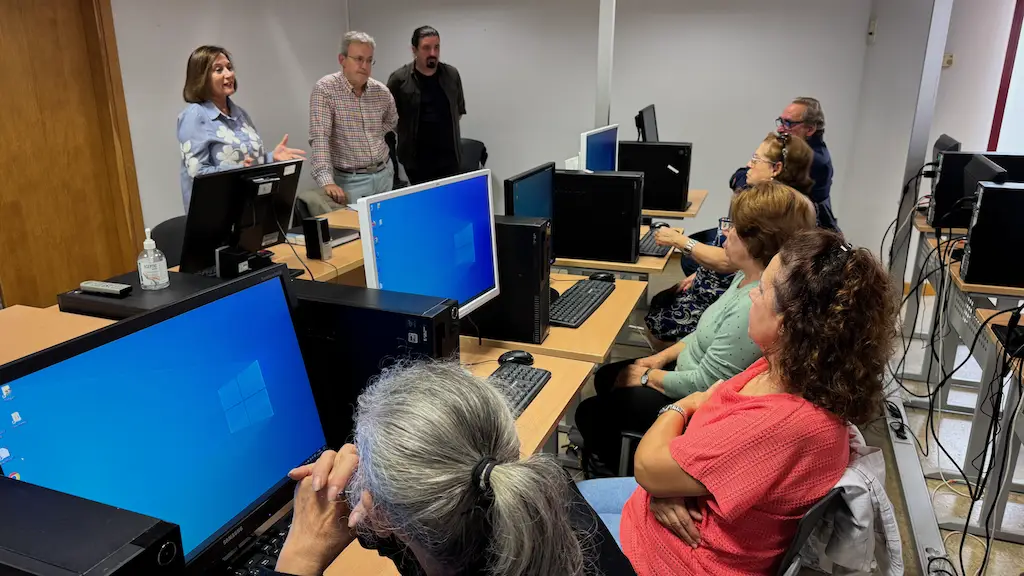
(347, 131)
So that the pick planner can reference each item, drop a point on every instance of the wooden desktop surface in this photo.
(644, 265)
(346, 261)
(592, 341)
(534, 426)
(953, 268)
(26, 330)
(695, 198)
(921, 224)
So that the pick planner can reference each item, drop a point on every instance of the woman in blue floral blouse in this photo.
(215, 133)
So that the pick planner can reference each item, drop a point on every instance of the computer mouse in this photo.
(516, 357)
(603, 277)
(656, 225)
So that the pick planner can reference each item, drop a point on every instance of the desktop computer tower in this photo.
(666, 169)
(349, 334)
(995, 236)
(596, 215)
(948, 187)
(50, 533)
(522, 311)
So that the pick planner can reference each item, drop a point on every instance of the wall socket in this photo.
(947, 60)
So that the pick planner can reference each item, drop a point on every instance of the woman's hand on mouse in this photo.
(670, 237)
(321, 522)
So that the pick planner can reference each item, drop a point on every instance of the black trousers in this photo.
(602, 419)
(429, 173)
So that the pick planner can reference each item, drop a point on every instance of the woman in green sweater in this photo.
(630, 393)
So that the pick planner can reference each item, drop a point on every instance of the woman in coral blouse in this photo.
(725, 475)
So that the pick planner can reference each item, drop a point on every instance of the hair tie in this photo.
(482, 472)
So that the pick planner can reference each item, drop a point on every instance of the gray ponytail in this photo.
(420, 430)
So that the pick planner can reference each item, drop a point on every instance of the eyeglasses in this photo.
(360, 61)
(757, 159)
(724, 224)
(781, 122)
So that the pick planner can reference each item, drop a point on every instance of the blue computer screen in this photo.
(436, 242)
(190, 420)
(601, 150)
(531, 196)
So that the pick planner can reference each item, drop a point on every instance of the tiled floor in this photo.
(953, 431)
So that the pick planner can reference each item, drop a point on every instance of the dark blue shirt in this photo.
(821, 173)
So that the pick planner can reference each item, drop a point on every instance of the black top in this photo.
(407, 87)
(435, 142)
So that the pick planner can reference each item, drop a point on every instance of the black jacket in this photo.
(405, 88)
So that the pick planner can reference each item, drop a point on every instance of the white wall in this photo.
(888, 98)
(978, 34)
(529, 69)
(279, 53)
(720, 71)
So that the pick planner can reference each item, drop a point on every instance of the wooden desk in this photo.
(26, 330)
(592, 341)
(346, 263)
(645, 265)
(695, 198)
(534, 426)
(921, 224)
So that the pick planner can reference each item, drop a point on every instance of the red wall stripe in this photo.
(1004, 83)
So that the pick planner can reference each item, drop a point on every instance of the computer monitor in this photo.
(433, 239)
(528, 194)
(647, 124)
(599, 149)
(193, 414)
(248, 208)
(981, 169)
(944, 143)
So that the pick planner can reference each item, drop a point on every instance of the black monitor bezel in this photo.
(993, 173)
(945, 143)
(641, 124)
(253, 516)
(225, 189)
(510, 184)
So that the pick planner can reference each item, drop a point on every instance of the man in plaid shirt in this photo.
(349, 114)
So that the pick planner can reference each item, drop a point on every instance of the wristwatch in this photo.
(689, 247)
(646, 377)
(672, 407)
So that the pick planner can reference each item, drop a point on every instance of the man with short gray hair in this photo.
(349, 114)
(805, 119)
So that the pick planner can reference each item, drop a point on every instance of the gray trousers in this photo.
(356, 186)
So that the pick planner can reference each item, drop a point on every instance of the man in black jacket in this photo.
(805, 119)
(430, 103)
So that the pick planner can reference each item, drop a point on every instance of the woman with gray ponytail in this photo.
(439, 486)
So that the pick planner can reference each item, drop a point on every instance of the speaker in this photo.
(318, 238)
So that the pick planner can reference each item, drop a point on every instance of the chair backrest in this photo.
(169, 236)
(808, 523)
(474, 155)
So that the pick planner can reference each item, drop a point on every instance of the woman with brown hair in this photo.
(675, 312)
(725, 475)
(214, 133)
(630, 393)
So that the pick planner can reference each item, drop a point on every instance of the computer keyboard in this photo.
(263, 552)
(577, 303)
(649, 248)
(520, 384)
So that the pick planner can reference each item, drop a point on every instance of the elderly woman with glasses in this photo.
(630, 393)
(675, 312)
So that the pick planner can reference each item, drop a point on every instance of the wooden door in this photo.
(69, 199)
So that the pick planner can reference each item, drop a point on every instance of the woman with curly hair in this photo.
(725, 475)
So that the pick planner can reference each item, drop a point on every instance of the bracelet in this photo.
(688, 249)
(674, 408)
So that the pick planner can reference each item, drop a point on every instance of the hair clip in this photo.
(846, 247)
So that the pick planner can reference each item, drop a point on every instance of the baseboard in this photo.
(928, 290)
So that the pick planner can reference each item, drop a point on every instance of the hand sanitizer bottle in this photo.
(152, 266)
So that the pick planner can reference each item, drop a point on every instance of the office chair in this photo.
(474, 155)
(169, 235)
(791, 561)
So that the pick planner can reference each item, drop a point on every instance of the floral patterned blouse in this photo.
(211, 141)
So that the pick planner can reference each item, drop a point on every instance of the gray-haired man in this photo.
(349, 114)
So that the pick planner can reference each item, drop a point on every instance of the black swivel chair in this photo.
(169, 236)
(791, 561)
(474, 155)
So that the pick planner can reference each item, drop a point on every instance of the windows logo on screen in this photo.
(245, 400)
